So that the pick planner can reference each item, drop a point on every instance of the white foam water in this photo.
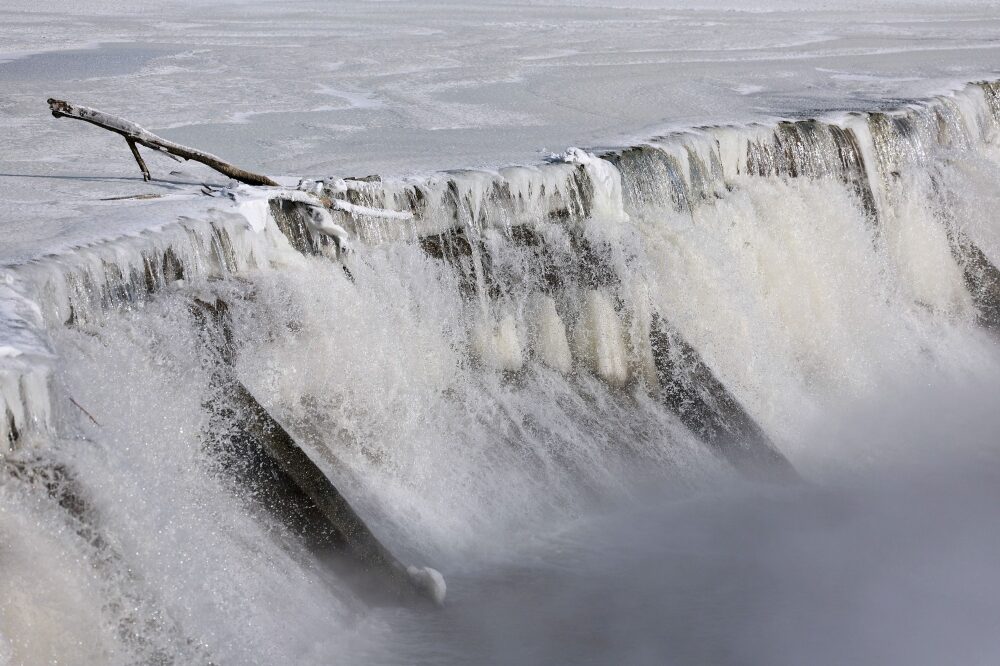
(485, 376)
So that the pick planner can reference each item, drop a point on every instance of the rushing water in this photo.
(560, 386)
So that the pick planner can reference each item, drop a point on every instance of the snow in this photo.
(256, 211)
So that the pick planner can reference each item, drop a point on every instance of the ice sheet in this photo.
(308, 88)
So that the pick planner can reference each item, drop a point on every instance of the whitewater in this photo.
(665, 332)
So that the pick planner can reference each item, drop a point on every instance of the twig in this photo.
(89, 415)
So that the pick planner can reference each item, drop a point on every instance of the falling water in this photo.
(678, 401)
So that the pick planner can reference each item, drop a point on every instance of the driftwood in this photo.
(136, 136)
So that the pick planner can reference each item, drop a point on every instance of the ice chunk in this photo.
(598, 338)
(429, 580)
(549, 334)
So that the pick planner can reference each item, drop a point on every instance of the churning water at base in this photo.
(559, 385)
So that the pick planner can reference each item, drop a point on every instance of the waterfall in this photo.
(495, 354)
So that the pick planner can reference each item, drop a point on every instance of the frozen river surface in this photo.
(347, 89)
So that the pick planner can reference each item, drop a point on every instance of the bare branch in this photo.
(135, 134)
(138, 158)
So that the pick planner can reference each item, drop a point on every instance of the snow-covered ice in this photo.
(310, 88)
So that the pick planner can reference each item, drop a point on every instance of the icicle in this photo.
(598, 339)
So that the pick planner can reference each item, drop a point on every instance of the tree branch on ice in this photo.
(135, 134)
